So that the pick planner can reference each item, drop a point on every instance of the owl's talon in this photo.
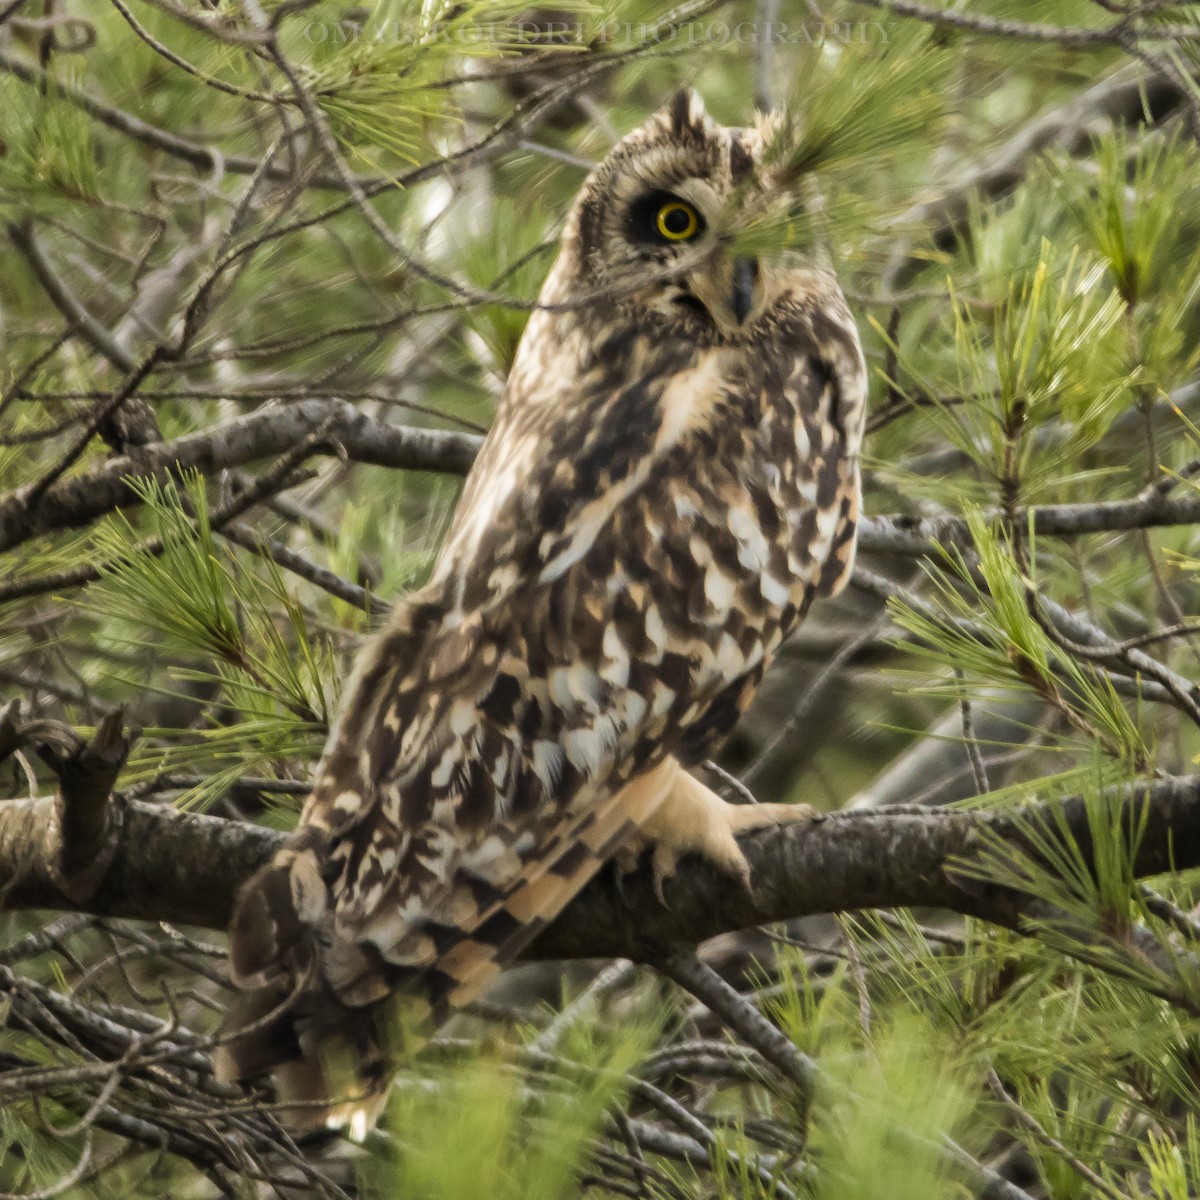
(621, 868)
(618, 874)
(665, 862)
(626, 861)
(744, 878)
(692, 819)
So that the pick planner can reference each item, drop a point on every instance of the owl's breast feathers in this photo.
(632, 546)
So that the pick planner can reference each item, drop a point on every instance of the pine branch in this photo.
(1125, 97)
(917, 536)
(68, 503)
(186, 868)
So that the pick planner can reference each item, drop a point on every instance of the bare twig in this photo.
(1122, 33)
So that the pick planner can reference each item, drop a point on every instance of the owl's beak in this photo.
(745, 275)
(729, 288)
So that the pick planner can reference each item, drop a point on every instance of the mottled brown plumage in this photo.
(671, 478)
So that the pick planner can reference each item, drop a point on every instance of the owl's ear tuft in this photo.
(687, 114)
(778, 134)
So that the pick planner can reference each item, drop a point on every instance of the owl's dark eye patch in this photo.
(661, 218)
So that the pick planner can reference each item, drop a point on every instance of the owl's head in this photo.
(653, 228)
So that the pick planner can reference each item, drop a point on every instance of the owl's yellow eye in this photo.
(677, 221)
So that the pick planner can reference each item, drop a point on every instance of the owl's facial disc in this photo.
(715, 289)
(655, 226)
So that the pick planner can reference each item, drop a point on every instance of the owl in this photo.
(671, 478)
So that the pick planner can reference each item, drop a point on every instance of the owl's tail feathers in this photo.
(324, 1057)
(276, 917)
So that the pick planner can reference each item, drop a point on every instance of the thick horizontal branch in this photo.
(918, 535)
(849, 861)
(263, 434)
(186, 868)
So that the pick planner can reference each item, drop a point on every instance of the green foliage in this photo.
(1136, 208)
(1048, 351)
(1090, 893)
(1173, 1168)
(380, 73)
(527, 1133)
(512, 254)
(1137, 211)
(879, 1132)
(33, 1163)
(244, 637)
(852, 107)
(49, 159)
(983, 625)
(1031, 343)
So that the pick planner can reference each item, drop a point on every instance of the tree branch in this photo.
(270, 431)
(1120, 33)
(186, 868)
(919, 535)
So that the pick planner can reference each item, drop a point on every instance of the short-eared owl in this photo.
(671, 478)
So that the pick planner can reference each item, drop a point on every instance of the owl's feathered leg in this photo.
(693, 819)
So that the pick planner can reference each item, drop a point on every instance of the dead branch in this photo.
(87, 822)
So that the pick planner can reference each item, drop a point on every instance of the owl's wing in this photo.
(470, 927)
(438, 839)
